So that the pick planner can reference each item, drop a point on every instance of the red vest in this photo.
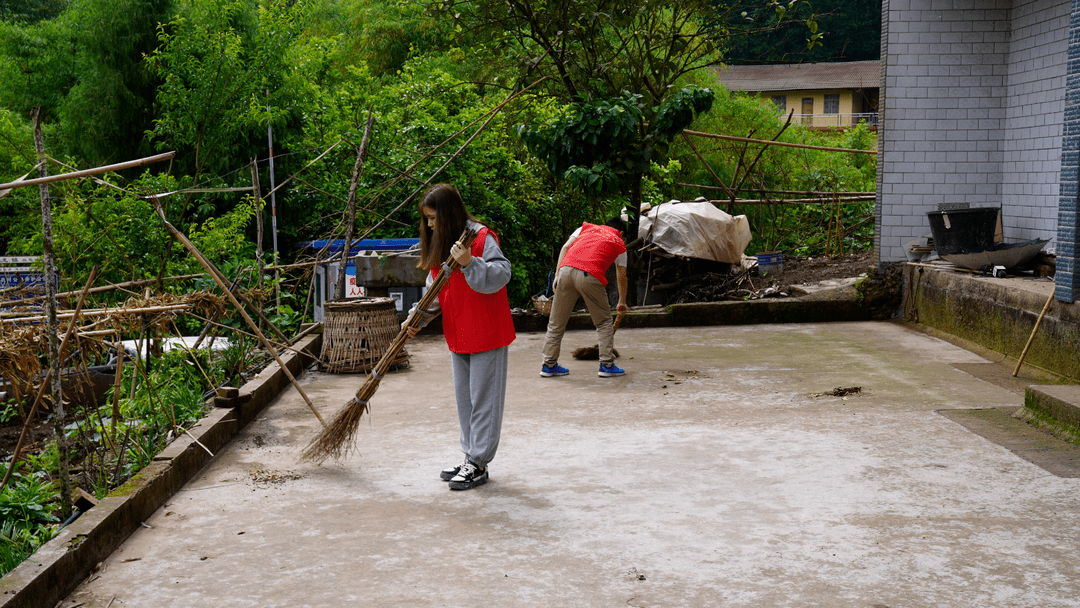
(594, 249)
(474, 322)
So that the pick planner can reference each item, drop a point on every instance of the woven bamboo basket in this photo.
(542, 304)
(357, 333)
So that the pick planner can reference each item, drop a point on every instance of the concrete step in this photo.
(1054, 408)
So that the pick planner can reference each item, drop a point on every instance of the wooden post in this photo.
(259, 264)
(358, 169)
(50, 312)
(1038, 321)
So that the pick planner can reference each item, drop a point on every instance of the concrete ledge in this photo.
(60, 565)
(864, 301)
(1055, 409)
(997, 314)
(837, 305)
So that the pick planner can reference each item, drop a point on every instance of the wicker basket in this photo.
(357, 332)
(542, 304)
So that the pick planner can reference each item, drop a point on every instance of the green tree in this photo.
(850, 30)
(216, 62)
(37, 67)
(106, 114)
(30, 11)
(619, 63)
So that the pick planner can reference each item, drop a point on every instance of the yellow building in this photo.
(821, 95)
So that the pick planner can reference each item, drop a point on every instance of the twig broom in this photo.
(338, 438)
(592, 353)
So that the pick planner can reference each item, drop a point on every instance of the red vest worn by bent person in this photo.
(594, 249)
(474, 322)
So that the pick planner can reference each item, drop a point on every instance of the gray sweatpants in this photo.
(480, 389)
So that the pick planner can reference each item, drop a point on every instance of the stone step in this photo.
(1054, 408)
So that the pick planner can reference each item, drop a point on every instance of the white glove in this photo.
(461, 254)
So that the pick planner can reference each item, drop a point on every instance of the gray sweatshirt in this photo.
(486, 274)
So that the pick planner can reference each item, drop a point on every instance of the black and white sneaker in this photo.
(469, 476)
(448, 474)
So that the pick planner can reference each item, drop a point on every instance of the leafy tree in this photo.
(36, 67)
(106, 114)
(850, 30)
(384, 35)
(30, 11)
(216, 62)
(618, 63)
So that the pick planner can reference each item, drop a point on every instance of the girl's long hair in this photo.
(451, 217)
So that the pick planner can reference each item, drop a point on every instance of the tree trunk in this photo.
(255, 188)
(633, 260)
(50, 311)
(358, 168)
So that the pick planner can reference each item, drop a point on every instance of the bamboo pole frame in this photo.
(104, 288)
(777, 143)
(218, 278)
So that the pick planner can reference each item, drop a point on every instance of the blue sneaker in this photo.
(609, 371)
(554, 370)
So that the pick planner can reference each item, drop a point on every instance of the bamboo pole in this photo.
(817, 193)
(118, 379)
(339, 438)
(216, 275)
(1038, 321)
(110, 287)
(50, 312)
(97, 312)
(350, 227)
(255, 188)
(777, 143)
(88, 172)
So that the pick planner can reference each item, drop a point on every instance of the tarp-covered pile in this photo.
(696, 230)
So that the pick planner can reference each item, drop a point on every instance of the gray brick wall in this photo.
(1035, 92)
(1067, 278)
(972, 105)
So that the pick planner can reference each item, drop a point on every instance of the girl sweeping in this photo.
(476, 323)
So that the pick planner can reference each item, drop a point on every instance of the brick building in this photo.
(981, 105)
(821, 95)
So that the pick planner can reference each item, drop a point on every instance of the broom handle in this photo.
(429, 296)
(618, 320)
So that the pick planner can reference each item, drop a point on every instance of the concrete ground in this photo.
(718, 472)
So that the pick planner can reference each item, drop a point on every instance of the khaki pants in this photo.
(574, 283)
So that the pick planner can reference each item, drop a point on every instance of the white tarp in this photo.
(696, 230)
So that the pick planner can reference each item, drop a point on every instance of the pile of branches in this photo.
(714, 287)
(160, 310)
(24, 345)
(682, 280)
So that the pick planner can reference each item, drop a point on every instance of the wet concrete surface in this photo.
(717, 472)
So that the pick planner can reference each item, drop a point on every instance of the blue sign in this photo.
(18, 271)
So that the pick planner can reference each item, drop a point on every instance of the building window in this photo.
(832, 104)
(780, 101)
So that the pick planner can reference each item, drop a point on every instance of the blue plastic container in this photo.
(770, 263)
